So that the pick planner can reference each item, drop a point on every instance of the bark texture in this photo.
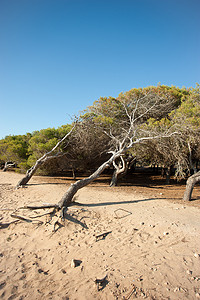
(120, 168)
(30, 173)
(192, 180)
(114, 178)
(68, 196)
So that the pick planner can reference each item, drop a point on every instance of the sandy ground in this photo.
(150, 248)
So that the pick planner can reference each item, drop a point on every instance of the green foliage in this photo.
(14, 148)
(187, 115)
(155, 109)
(24, 150)
(43, 141)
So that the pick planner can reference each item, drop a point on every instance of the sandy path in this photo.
(152, 250)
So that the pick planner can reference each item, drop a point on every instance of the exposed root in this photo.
(40, 207)
(26, 220)
(61, 217)
(57, 225)
(39, 216)
(6, 225)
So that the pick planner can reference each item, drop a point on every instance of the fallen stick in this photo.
(25, 219)
(59, 225)
(130, 293)
(102, 235)
(38, 216)
(20, 218)
(5, 225)
(39, 207)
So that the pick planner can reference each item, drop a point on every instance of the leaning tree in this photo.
(122, 120)
(13, 150)
(55, 152)
(188, 116)
(108, 111)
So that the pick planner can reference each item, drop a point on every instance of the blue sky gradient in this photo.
(58, 56)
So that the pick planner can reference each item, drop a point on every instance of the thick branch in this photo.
(192, 180)
(42, 160)
(118, 170)
(68, 196)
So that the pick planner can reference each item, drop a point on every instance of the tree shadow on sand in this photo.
(116, 202)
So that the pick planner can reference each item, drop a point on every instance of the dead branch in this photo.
(102, 235)
(47, 156)
(40, 206)
(6, 225)
(25, 219)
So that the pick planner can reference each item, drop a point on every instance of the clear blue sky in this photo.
(58, 56)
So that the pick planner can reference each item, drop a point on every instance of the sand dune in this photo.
(114, 245)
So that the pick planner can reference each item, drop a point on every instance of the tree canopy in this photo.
(110, 123)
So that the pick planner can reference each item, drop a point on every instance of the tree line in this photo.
(154, 125)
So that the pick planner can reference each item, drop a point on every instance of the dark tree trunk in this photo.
(163, 172)
(168, 174)
(192, 180)
(121, 169)
(114, 178)
(192, 163)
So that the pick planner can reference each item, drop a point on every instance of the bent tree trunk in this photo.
(114, 178)
(192, 180)
(36, 166)
(7, 165)
(42, 160)
(119, 169)
(30, 173)
(68, 196)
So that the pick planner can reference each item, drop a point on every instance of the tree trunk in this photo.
(5, 168)
(114, 178)
(29, 173)
(192, 164)
(163, 172)
(120, 167)
(7, 165)
(168, 174)
(192, 180)
(42, 160)
(68, 196)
